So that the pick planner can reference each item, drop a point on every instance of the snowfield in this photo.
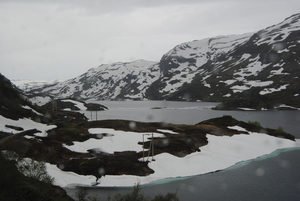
(26, 124)
(221, 152)
(115, 141)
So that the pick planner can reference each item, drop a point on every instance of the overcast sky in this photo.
(61, 39)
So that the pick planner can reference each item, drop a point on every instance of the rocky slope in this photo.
(13, 103)
(18, 118)
(260, 67)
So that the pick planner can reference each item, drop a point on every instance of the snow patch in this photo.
(166, 131)
(229, 82)
(240, 88)
(238, 128)
(246, 109)
(113, 140)
(271, 90)
(65, 178)
(29, 108)
(227, 95)
(248, 84)
(40, 100)
(24, 123)
(78, 104)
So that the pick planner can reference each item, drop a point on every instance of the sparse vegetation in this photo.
(254, 123)
(280, 130)
(167, 197)
(28, 167)
(135, 195)
(81, 195)
(16, 186)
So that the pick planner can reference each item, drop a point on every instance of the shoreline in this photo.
(162, 177)
(179, 178)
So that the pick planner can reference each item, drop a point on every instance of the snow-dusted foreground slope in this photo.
(220, 153)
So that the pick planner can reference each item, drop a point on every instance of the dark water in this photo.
(275, 177)
(178, 112)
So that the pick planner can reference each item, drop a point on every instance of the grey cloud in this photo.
(42, 37)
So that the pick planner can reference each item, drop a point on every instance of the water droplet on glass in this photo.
(216, 71)
(186, 96)
(284, 164)
(183, 186)
(149, 117)
(189, 141)
(260, 172)
(132, 125)
(99, 136)
(224, 186)
(37, 120)
(48, 115)
(273, 57)
(164, 124)
(101, 171)
(278, 46)
(61, 166)
(165, 142)
(191, 188)
(262, 131)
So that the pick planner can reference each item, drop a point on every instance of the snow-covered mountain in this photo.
(108, 81)
(183, 64)
(254, 65)
(263, 63)
(26, 85)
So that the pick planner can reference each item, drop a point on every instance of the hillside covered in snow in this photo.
(259, 69)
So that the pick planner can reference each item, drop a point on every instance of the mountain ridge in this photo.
(258, 65)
